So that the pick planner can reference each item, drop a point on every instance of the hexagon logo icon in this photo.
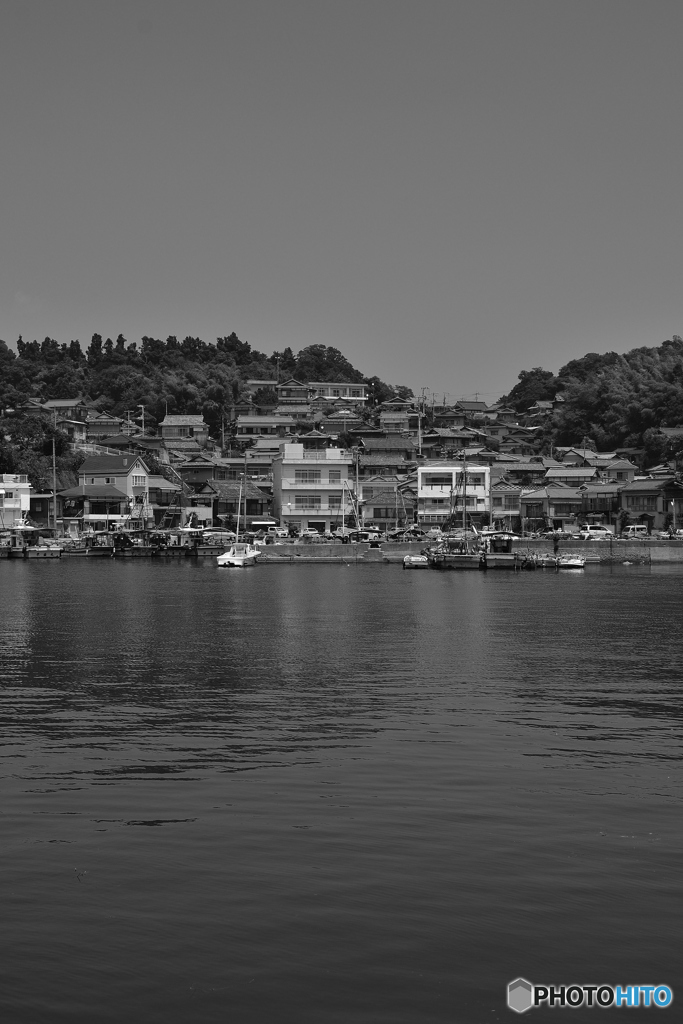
(520, 995)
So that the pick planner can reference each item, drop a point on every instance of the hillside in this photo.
(615, 400)
(190, 376)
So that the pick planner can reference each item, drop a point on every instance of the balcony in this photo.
(308, 485)
(325, 510)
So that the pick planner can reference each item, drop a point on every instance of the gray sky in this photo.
(448, 193)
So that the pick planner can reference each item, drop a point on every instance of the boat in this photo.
(571, 562)
(415, 562)
(243, 552)
(493, 551)
(239, 555)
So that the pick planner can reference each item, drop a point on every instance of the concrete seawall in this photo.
(609, 551)
(615, 551)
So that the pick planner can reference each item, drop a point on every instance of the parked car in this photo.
(310, 532)
(595, 533)
(364, 536)
(635, 530)
(278, 531)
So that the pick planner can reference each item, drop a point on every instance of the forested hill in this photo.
(188, 376)
(612, 399)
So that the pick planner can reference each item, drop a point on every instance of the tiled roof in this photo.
(90, 491)
(109, 464)
(183, 421)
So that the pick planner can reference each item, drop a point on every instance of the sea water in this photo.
(328, 793)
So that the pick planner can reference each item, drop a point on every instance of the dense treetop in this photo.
(616, 400)
(188, 376)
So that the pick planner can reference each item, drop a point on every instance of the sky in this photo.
(447, 192)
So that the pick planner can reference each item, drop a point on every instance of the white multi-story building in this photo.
(312, 488)
(15, 498)
(443, 489)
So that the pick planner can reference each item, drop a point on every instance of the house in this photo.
(271, 425)
(471, 409)
(451, 488)
(352, 394)
(505, 503)
(76, 430)
(555, 505)
(223, 497)
(523, 471)
(601, 501)
(654, 501)
(95, 503)
(69, 408)
(398, 415)
(343, 420)
(128, 473)
(293, 399)
(397, 446)
(173, 427)
(15, 498)
(312, 489)
(386, 509)
(572, 475)
(620, 469)
(101, 424)
(252, 386)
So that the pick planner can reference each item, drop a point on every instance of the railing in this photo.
(341, 510)
(92, 449)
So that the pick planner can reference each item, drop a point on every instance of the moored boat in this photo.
(239, 556)
(416, 562)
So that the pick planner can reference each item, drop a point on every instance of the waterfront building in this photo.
(505, 504)
(655, 501)
(312, 488)
(451, 488)
(127, 474)
(15, 498)
(555, 506)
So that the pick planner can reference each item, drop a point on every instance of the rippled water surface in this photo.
(320, 793)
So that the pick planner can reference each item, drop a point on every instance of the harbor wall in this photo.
(649, 550)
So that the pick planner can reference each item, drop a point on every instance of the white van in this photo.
(636, 530)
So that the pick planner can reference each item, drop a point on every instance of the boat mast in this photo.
(239, 505)
(464, 489)
(245, 491)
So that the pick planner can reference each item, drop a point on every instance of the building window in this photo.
(335, 501)
(138, 481)
(307, 476)
(497, 502)
(307, 501)
(437, 480)
(335, 476)
(39, 506)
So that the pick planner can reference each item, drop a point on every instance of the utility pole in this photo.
(143, 419)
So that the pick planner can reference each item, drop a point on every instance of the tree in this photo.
(534, 386)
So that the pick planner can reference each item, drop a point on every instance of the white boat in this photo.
(571, 562)
(243, 552)
(239, 555)
(415, 562)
